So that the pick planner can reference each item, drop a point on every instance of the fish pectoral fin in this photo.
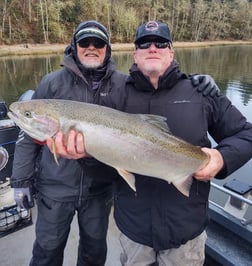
(54, 151)
(128, 177)
(183, 185)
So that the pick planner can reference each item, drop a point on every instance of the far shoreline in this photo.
(43, 49)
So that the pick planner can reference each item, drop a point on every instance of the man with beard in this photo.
(87, 72)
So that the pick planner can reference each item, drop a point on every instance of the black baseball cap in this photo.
(91, 29)
(153, 29)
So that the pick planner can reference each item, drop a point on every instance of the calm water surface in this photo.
(231, 67)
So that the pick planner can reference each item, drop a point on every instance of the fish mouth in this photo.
(13, 116)
(35, 128)
(19, 120)
(23, 124)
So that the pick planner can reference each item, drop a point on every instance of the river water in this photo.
(231, 67)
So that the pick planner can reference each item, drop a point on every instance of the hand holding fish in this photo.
(70, 146)
(214, 165)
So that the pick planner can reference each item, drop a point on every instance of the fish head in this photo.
(35, 118)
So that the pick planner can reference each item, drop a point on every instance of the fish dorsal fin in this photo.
(156, 120)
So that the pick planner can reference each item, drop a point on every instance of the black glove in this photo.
(24, 197)
(205, 84)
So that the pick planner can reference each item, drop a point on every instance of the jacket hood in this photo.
(93, 74)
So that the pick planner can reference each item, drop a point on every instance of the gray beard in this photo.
(91, 66)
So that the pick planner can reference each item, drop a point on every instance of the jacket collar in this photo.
(171, 76)
(97, 74)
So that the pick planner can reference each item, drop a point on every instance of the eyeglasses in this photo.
(98, 44)
(158, 45)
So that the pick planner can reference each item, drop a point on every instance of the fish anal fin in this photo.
(183, 185)
(128, 177)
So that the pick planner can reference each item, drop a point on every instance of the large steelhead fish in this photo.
(131, 143)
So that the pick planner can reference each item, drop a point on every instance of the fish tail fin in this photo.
(128, 177)
(183, 185)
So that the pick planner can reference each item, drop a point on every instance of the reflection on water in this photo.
(123, 61)
(231, 66)
(19, 74)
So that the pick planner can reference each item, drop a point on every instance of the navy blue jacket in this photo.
(158, 215)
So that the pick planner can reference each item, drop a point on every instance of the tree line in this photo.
(53, 21)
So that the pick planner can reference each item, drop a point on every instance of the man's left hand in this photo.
(206, 85)
(214, 165)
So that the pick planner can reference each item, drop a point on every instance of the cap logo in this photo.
(151, 26)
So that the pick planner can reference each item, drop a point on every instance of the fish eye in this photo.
(27, 114)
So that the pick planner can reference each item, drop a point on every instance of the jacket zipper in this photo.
(81, 188)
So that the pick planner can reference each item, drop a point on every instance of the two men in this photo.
(82, 186)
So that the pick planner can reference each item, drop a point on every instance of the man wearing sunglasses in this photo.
(87, 73)
(158, 224)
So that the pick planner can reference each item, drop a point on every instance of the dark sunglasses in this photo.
(159, 45)
(98, 44)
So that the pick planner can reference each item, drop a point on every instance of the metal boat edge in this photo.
(229, 233)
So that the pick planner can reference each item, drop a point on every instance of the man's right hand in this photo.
(24, 198)
(71, 146)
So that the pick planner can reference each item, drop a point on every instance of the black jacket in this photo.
(158, 215)
(67, 181)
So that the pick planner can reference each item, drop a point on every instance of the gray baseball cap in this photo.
(91, 29)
